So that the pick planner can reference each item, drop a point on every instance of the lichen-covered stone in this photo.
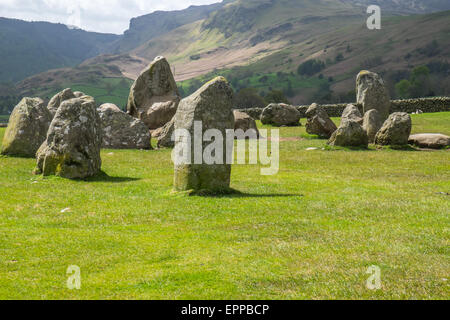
(351, 112)
(59, 98)
(212, 106)
(164, 135)
(430, 140)
(72, 147)
(280, 114)
(372, 124)
(78, 94)
(349, 134)
(372, 93)
(319, 123)
(122, 131)
(154, 96)
(244, 122)
(27, 128)
(395, 131)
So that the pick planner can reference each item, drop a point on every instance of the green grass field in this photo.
(310, 232)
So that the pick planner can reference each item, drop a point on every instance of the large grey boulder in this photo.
(319, 123)
(372, 93)
(59, 98)
(372, 124)
(430, 140)
(212, 106)
(349, 134)
(247, 124)
(154, 96)
(74, 139)
(27, 128)
(351, 112)
(122, 131)
(395, 131)
(280, 114)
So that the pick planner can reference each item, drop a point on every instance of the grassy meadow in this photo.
(310, 232)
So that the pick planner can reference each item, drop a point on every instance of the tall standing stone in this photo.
(373, 94)
(72, 147)
(27, 128)
(211, 106)
(59, 98)
(154, 96)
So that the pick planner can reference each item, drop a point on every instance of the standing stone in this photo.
(373, 94)
(27, 128)
(280, 114)
(154, 96)
(122, 131)
(395, 131)
(72, 147)
(349, 134)
(164, 135)
(430, 140)
(212, 106)
(319, 123)
(59, 98)
(351, 112)
(244, 122)
(372, 124)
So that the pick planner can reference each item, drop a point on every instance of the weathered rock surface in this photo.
(280, 114)
(154, 96)
(319, 123)
(122, 131)
(395, 131)
(349, 134)
(59, 98)
(372, 124)
(351, 112)
(164, 135)
(430, 140)
(72, 147)
(212, 105)
(244, 122)
(78, 94)
(372, 93)
(27, 128)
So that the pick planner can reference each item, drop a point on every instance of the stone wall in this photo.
(427, 105)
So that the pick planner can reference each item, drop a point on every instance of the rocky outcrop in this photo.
(210, 107)
(122, 131)
(430, 140)
(247, 124)
(372, 93)
(372, 124)
(349, 134)
(27, 128)
(59, 98)
(319, 123)
(280, 115)
(395, 131)
(154, 96)
(72, 147)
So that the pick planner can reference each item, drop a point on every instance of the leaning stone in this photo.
(247, 124)
(122, 131)
(430, 141)
(395, 131)
(319, 123)
(373, 94)
(351, 112)
(280, 114)
(372, 124)
(154, 96)
(27, 128)
(59, 98)
(349, 134)
(72, 147)
(212, 106)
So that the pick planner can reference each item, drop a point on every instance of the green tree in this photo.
(310, 67)
(249, 98)
(402, 88)
(276, 96)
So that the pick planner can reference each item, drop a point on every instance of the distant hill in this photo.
(27, 48)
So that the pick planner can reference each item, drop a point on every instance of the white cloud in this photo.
(93, 15)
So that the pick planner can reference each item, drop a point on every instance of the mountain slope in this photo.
(27, 48)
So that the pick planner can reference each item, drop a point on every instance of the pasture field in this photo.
(310, 232)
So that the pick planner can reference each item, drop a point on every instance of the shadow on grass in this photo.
(104, 177)
(232, 193)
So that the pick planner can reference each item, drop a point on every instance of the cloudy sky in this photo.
(93, 15)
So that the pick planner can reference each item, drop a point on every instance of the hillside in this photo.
(27, 48)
